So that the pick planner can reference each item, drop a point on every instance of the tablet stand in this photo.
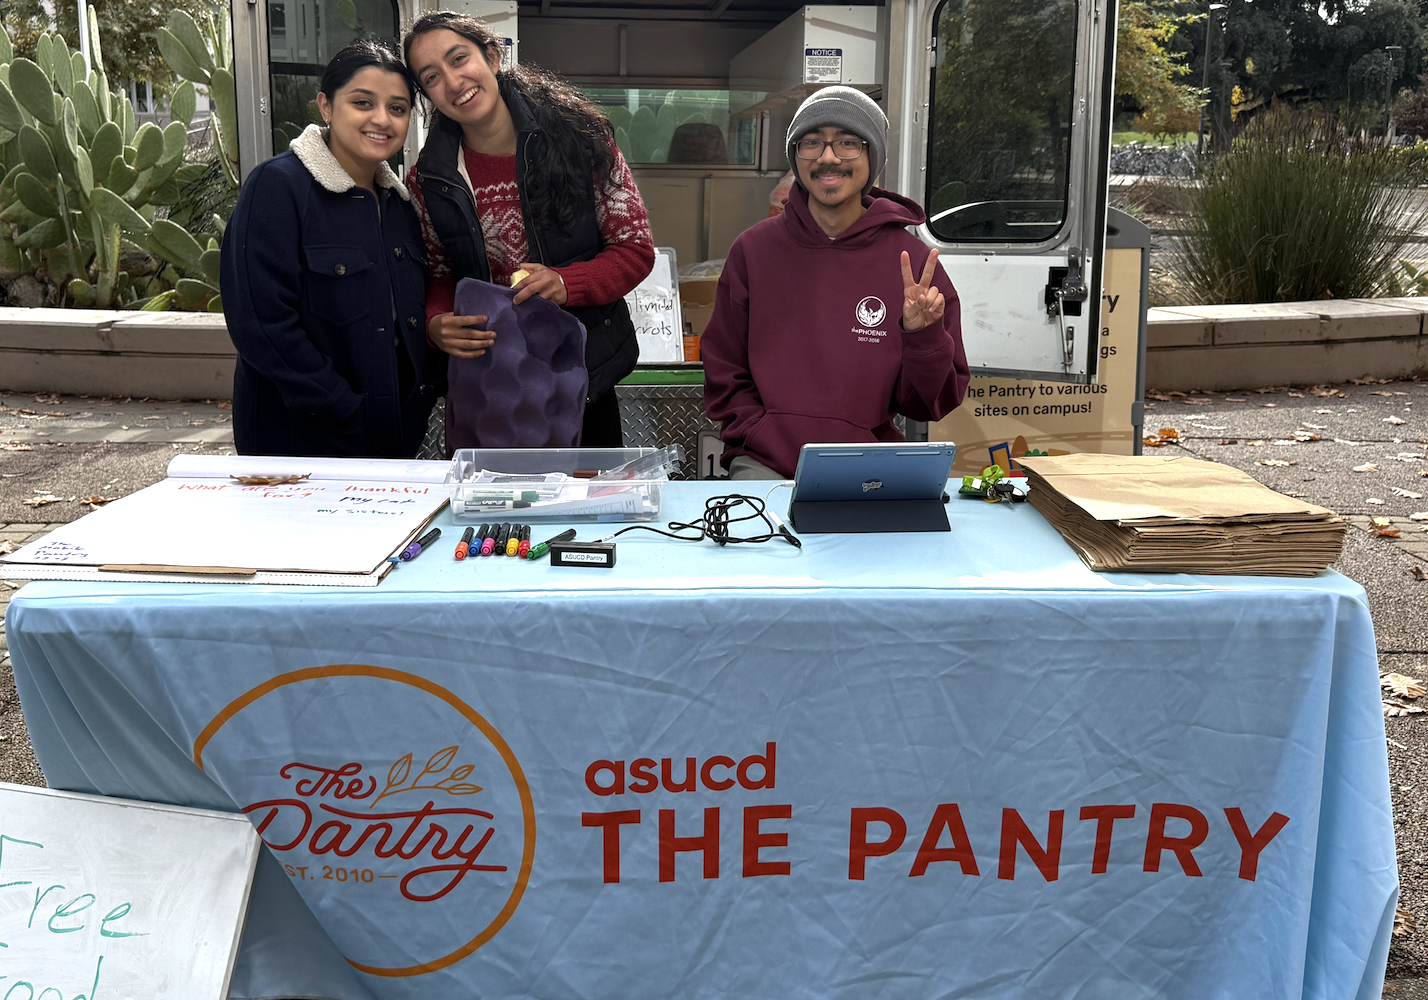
(814, 517)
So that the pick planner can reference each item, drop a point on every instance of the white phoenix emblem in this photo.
(871, 311)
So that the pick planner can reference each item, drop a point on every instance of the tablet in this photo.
(884, 486)
(886, 470)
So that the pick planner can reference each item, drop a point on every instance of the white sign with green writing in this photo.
(104, 898)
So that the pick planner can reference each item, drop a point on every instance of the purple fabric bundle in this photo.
(528, 390)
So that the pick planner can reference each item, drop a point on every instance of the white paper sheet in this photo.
(318, 526)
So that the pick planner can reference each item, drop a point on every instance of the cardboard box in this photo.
(696, 299)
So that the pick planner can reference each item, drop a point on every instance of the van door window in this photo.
(999, 121)
(302, 36)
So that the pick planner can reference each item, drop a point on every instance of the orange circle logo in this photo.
(390, 803)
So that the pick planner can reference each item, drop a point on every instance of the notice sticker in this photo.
(822, 65)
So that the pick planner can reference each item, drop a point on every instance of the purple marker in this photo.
(415, 548)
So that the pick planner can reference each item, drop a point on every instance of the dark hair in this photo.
(577, 134)
(354, 58)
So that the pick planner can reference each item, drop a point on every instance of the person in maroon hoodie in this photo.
(821, 332)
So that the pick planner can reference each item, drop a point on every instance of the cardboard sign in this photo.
(106, 898)
(1003, 418)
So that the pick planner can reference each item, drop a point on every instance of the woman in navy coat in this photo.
(324, 281)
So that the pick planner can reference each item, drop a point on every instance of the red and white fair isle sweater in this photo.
(628, 255)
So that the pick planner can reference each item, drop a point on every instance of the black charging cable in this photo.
(721, 514)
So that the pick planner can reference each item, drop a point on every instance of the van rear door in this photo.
(1006, 134)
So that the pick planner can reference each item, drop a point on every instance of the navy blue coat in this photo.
(326, 304)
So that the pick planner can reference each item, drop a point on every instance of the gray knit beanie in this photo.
(845, 108)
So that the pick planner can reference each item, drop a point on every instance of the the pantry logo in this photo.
(398, 811)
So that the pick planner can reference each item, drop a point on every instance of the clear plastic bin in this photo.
(546, 485)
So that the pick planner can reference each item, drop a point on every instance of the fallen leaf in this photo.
(1393, 710)
(1169, 432)
(1269, 404)
(15, 446)
(1158, 395)
(1295, 395)
(57, 413)
(1235, 399)
(225, 404)
(97, 501)
(1229, 440)
(1276, 462)
(7, 546)
(41, 500)
(1417, 573)
(1314, 427)
(1324, 411)
(1394, 420)
(1291, 493)
(1381, 522)
(1389, 533)
(1196, 402)
(1418, 515)
(1367, 380)
(1366, 467)
(1374, 500)
(1399, 492)
(1304, 437)
(1380, 392)
(1325, 390)
(270, 480)
(1254, 444)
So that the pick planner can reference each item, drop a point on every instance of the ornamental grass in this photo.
(1298, 209)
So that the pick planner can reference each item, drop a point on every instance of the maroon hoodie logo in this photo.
(871, 311)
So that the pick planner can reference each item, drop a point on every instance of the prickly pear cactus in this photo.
(85, 191)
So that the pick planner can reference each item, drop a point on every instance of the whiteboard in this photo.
(333, 531)
(113, 899)
(654, 307)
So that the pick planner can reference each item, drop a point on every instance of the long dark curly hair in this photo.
(579, 140)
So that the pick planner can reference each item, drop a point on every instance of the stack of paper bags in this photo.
(1174, 514)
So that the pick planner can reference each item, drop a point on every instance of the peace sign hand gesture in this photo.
(922, 304)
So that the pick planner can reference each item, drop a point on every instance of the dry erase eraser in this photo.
(598, 554)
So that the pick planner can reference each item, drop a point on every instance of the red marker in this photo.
(464, 546)
(525, 545)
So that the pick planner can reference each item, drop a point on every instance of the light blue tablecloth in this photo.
(901, 746)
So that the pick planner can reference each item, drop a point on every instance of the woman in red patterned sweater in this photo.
(521, 172)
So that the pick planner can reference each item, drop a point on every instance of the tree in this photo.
(126, 30)
(1148, 73)
(1325, 52)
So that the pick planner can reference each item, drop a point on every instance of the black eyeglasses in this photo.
(844, 149)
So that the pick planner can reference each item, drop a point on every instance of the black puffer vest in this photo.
(610, 346)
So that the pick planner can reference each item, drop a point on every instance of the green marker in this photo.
(541, 549)
(497, 496)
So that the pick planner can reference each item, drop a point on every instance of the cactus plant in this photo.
(201, 52)
(83, 186)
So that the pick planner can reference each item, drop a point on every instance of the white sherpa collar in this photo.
(311, 149)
